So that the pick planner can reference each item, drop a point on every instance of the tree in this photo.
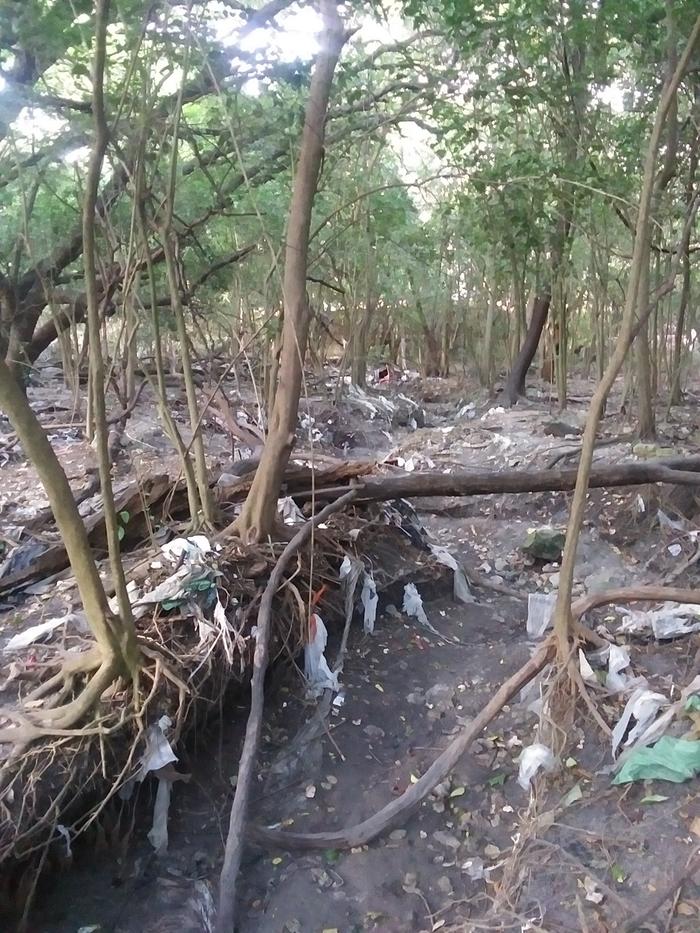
(259, 514)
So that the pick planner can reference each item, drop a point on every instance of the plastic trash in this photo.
(158, 834)
(534, 758)
(460, 585)
(349, 574)
(585, 668)
(290, 511)
(36, 632)
(413, 607)
(671, 759)
(540, 607)
(670, 621)
(318, 674)
(192, 548)
(158, 752)
(642, 706)
(370, 601)
(618, 660)
(670, 524)
(653, 732)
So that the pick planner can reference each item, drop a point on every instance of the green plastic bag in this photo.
(671, 759)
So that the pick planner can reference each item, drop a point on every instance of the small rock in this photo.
(499, 565)
(397, 835)
(492, 851)
(374, 732)
(444, 884)
(446, 839)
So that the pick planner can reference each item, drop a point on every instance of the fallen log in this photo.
(162, 498)
(679, 470)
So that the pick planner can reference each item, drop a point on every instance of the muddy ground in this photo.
(579, 854)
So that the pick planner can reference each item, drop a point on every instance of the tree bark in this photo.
(105, 627)
(515, 385)
(259, 513)
(679, 470)
(128, 647)
(628, 330)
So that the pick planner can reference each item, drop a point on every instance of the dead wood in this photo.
(681, 470)
(159, 493)
(235, 839)
(133, 499)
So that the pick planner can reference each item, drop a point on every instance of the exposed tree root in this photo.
(59, 719)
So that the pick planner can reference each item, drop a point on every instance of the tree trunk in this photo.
(515, 386)
(112, 637)
(258, 516)
(676, 394)
(487, 346)
(646, 423)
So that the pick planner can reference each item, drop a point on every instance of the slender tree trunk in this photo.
(646, 422)
(109, 632)
(515, 385)
(129, 648)
(562, 612)
(487, 346)
(258, 516)
(677, 363)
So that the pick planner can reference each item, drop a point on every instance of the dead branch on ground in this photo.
(239, 808)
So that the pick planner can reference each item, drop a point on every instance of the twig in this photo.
(234, 841)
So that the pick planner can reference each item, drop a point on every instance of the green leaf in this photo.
(617, 873)
(498, 780)
(121, 531)
(124, 517)
(653, 798)
(331, 855)
(574, 794)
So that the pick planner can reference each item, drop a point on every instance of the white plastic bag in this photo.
(534, 758)
(192, 548)
(540, 607)
(370, 601)
(460, 586)
(318, 674)
(642, 706)
(618, 660)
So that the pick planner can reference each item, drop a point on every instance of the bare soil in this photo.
(484, 853)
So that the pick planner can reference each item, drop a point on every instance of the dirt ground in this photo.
(575, 853)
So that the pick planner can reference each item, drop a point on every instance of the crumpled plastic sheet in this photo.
(642, 707)
(618, 660)
(318, 674)
(540, 607)
(534, 758)
(157, 754)
(460, 585)
(370, 601)
(290, 511)
(671, 759)
(670, 621)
